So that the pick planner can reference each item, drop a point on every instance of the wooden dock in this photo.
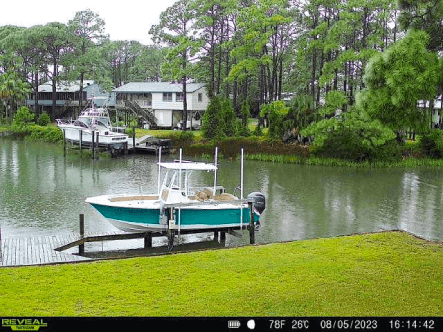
(49, 249)
(22, 251)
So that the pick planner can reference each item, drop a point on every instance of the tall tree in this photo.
(13, 90)
(424, 15)
(397, 78)
(88, 31)
(176, 30)
(53, 41)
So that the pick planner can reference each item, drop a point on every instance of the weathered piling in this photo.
(80, 133)
(93, 145)
(251, 225)
(64, 143)
(81, 247)
(133, 140)
(148, 240)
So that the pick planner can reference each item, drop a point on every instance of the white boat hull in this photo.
(76, 133)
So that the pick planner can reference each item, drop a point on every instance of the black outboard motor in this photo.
(259, 201)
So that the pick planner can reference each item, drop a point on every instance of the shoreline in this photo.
(229, 147)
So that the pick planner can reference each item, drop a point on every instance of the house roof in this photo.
(146, 87)
(64, 86)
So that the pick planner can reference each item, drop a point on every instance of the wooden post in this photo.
(97, 137)
(93, 144)
(148, 240)
(81, 141)
(251, 225)
(216, 236)
(133, 140)
(64, 143)
(223, 238)
(81, 247)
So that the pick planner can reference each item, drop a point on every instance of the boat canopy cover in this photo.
(189, 166)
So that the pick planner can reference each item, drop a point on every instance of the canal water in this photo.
(42, 193)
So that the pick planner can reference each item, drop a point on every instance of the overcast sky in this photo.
(125, 19)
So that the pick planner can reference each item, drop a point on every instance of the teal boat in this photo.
(179, 206)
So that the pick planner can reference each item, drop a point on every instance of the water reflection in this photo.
(41, 192)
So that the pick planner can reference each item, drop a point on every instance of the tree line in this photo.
(75, 51)
(322, 55)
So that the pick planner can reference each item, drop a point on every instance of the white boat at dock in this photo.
(93, 125)
(178, 206)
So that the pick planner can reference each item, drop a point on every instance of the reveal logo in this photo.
(23, 324)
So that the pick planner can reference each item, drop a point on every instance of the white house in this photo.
(165, 100)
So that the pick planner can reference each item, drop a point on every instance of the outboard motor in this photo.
(259, 201)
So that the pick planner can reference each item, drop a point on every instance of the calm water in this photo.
(42, 193)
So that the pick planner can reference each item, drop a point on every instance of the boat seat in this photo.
(225, 197)
(202, 196)
(134, 198)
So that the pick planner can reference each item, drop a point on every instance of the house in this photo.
(68, 96)
(434, 114)
(165, 100)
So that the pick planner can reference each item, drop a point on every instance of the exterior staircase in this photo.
(141, 113)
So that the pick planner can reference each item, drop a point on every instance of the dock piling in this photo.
(93, 144)
(148, 240)
(251, 225)
(133, 139)
(64, 143)
(81, 247)
(80, 133)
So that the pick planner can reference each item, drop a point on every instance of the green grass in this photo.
(382, 274)
(323, 161)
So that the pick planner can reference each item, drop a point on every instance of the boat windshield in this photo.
(103, 122)
(85, 120)
(80, 124)
(174, 180)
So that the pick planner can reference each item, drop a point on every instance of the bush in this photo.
(22, 119)
(348, 145)
(213, 122)
(44, 119)
(129, 132)
(47, 134)
(432, 144)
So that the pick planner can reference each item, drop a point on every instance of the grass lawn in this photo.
(382, 274)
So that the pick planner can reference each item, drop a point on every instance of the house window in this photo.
(167, 96)
(200, 97)
(179, 96)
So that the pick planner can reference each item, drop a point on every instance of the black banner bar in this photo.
(228, 324)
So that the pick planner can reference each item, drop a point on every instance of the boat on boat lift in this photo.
(177, 205)
(92, 120)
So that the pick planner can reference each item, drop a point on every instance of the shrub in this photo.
(44, 119)
(348, 145)
(432, 143)
(22, 119)
(47, 134)
(129, 132)
(213, 124)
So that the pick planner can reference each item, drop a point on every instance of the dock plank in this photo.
(36, 250)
